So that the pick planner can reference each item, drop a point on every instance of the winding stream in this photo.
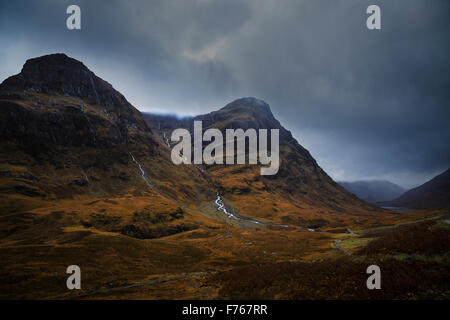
(221, 207)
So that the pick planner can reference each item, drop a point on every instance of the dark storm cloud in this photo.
(367, 104)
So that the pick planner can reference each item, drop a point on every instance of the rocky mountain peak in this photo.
(249, 104)
(245, 113)
(36, 99)
(58, 74)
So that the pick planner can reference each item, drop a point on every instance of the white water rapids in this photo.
(221, 207)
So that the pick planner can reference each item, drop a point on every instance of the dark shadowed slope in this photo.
(66, 132)
(434, 194)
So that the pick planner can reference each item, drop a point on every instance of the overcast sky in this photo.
(367, 104)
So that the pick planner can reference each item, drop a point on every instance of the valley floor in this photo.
(126, 251)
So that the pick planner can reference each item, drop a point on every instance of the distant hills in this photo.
(373, 190)
(434, 194)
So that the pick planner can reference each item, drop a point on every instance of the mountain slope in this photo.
(67, 128)
(434, 194)
(300, 192)
(67, 133)
(374, 190)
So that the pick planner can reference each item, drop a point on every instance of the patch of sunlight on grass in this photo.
(354, 243)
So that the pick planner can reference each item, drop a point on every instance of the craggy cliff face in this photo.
(56, 99)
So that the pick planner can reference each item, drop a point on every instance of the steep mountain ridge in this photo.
(61, 101)
(244, 113)
(300, 188)
(58, 74)
(77, 136)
